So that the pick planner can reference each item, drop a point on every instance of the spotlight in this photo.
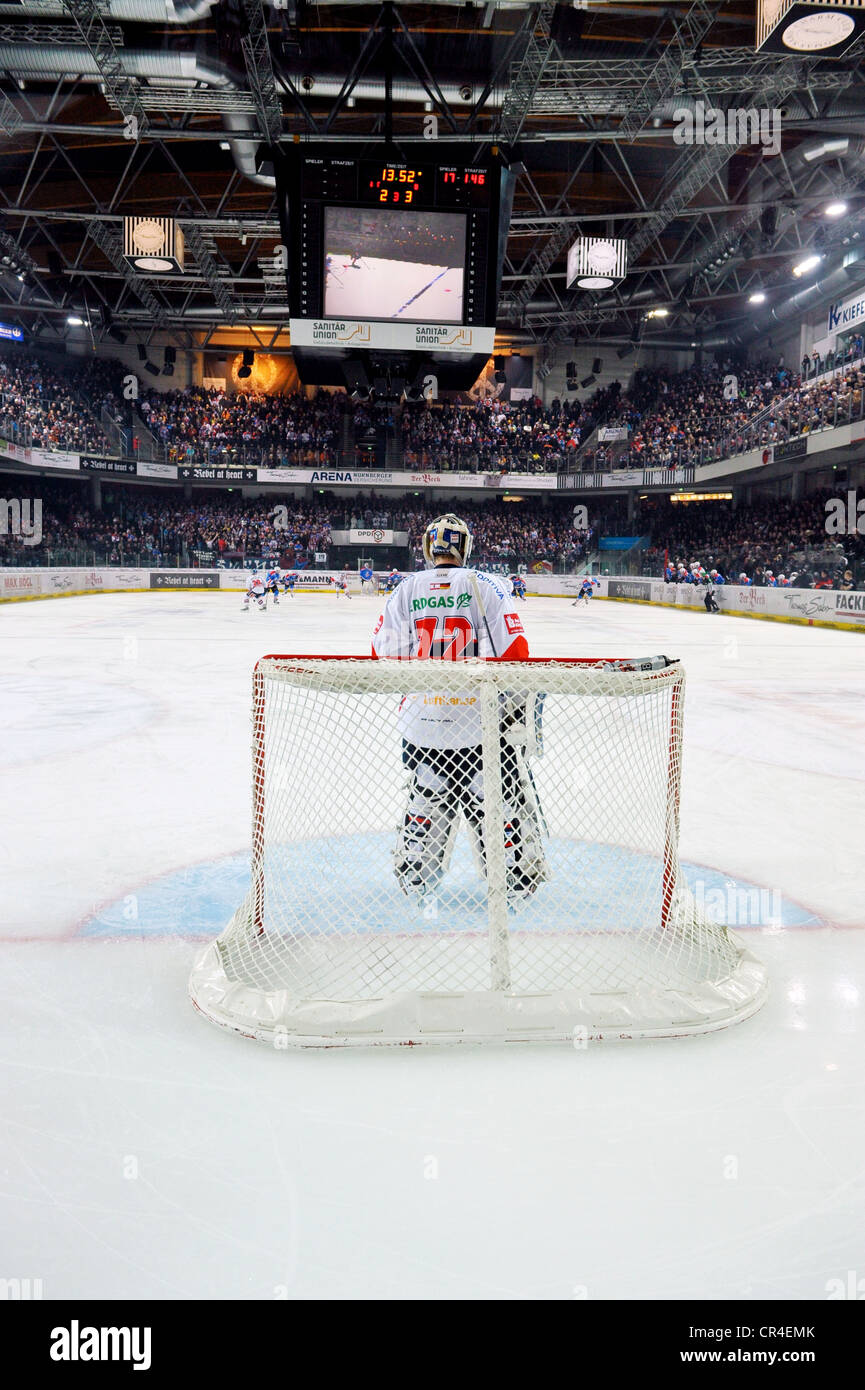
(758, 297)
(835, 209)
(809, 263)
(657, 313)
(75, 321)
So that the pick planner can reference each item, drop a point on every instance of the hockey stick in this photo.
(476, 590)
(531, 787)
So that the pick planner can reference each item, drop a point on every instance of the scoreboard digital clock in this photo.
(423, 186)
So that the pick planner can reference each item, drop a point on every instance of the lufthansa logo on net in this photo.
(76, 1343)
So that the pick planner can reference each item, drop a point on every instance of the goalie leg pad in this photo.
(525, 861)
(424, 836)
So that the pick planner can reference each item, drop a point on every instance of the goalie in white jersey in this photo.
(451, 613)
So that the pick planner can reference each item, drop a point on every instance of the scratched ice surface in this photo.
(146, 1154)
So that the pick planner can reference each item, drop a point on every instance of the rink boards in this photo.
(812, 607)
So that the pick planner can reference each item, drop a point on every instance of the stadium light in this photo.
(74, 321)
(836, 209)
(758, 297)
(657, 313)
(809, 263)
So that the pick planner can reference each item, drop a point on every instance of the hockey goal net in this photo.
(449, 851)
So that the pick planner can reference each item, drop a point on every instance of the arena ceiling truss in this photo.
(173, 108)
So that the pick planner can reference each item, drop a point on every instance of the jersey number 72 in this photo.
(445, 639)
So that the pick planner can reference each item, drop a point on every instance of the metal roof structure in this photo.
(169, 108)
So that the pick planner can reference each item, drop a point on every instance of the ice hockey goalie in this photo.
(450, 613)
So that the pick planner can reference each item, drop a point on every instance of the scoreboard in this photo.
(419, 186)
(395, 256)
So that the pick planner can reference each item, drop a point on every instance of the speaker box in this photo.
(566, 30)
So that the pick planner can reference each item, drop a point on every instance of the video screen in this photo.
(387, 263)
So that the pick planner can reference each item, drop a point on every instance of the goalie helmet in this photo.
(447, 538)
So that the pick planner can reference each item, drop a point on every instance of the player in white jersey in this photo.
(340, 584)
(257, 591)
(451, 613)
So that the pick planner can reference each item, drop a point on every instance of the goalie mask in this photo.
(447, 538)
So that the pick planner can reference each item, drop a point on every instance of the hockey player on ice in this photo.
(587, 591)
(443, 614)
(340, 585)
(288, 582)
(256, 590)
(271, 584)
(518, 586)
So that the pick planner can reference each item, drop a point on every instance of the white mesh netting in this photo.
(469, 851)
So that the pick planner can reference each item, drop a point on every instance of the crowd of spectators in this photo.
(816, 364)
(667, 419)
(718, 411)
(768, 540)
(495, 436)
(503, 534)
(156, 526)
(215, 426)
(50, 407)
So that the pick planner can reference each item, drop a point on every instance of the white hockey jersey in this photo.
(435, 615)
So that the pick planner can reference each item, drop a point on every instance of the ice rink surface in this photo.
(394, 288)
(148, 1155)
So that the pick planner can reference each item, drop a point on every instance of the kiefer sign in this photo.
(846, 313)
